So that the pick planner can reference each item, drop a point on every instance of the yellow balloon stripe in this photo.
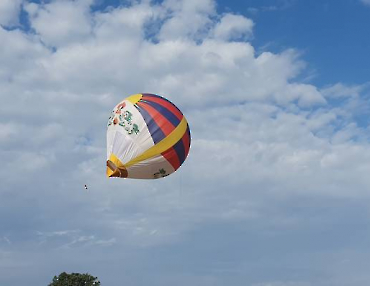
(134, 98)
(115, 160)
(163, 145)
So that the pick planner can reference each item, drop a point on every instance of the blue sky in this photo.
(275, 191)
(332, 35)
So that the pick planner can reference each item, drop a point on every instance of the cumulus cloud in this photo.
(262, 139)
(341, 90)
(60, 22)
(233, 27)
(187, 19)
(9, 11)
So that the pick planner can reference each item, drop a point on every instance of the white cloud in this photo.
(9, 11)
(64, 95)
(186, 19)
(235, 100)
(366, 2)
(233, 27)
(261, 137)
(61, 22)
(340, 90)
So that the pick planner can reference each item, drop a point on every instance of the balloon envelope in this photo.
(148, 137)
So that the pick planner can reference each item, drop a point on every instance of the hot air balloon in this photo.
(148, 137)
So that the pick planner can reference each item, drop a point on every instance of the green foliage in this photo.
(74, 279)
